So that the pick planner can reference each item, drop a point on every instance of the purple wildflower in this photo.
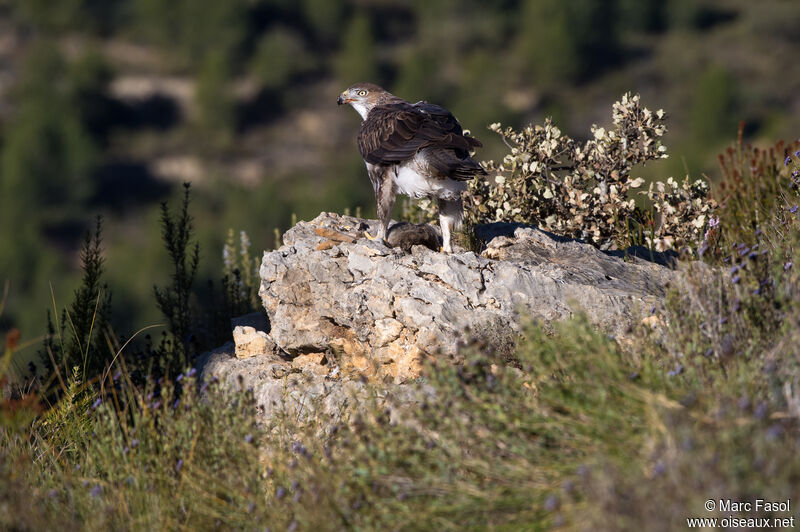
(793, 209)
(191, 372)
(753, 255)
(797, 153)
(787, 161)
(744, 403)
(677, 371)
(760, 411)
(298, 448)
(551, 503)
(723, 320)
(713, 221)
(176, 403)
(156, 405)
(735, 269)
(179, 465)
(179, 378)
(736, 279)
(134, 443)
(117, 375)
(97, 403)
(292, 526)
(248, 438)
(280, 493)
(774, 432)
(96, 491)
(787, 266)
(708, 353)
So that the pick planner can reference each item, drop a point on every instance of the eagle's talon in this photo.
(370, 237)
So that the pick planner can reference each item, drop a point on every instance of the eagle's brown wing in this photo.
(396, 132)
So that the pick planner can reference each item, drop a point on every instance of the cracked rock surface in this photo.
(376, 311)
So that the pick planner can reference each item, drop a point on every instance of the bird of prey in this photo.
(417, 149)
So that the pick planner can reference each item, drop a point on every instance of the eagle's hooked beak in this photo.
(343, 100)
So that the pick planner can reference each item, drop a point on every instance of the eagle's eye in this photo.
(362, 92)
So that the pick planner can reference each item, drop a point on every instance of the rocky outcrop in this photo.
(342, 310)
(345, 302)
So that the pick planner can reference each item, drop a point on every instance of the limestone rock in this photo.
(251, 342)
(377, 311)
(300, 389)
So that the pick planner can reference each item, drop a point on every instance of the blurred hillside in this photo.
(107, 105)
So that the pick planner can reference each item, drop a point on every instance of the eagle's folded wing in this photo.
(395, 132)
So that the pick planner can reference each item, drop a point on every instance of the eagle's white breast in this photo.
(411, 180)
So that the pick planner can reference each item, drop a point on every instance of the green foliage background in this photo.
(256, 81)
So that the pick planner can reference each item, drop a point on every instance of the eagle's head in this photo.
(364, 96)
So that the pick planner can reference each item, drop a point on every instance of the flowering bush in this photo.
(584, 190)
(685, 213)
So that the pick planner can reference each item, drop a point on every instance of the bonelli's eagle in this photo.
(417, 149)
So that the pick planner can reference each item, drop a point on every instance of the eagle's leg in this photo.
(385, 194)
(385, 197)
(450, 216)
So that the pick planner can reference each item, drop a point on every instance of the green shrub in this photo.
(174, 300)
(757, 191)
(80, 338)
(241, 275)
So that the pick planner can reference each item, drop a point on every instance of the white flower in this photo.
(700, 221)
